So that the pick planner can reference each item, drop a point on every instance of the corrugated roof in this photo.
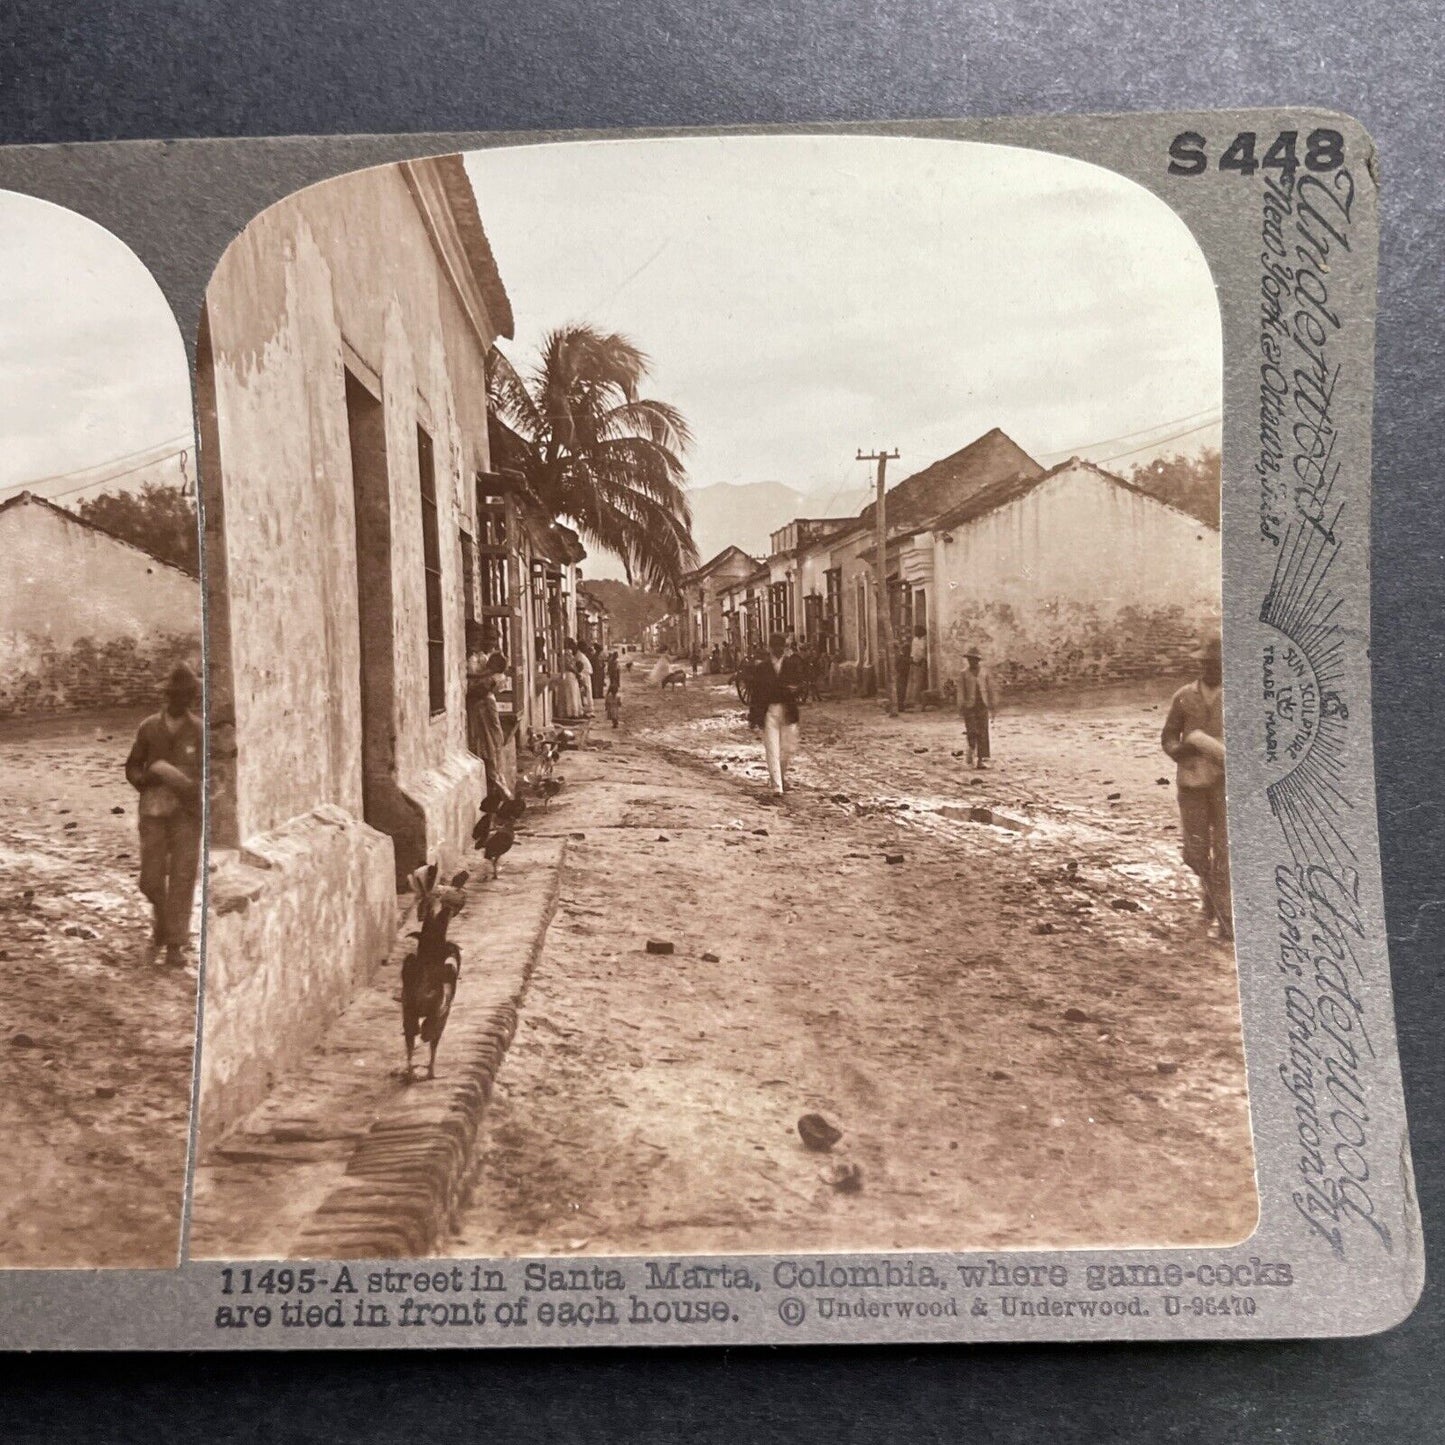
(698, 573)
(760, 573)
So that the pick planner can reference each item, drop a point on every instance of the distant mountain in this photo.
(746, 515)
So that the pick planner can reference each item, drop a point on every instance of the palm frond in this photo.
(508, 397)
(590, 450)
(658, 421)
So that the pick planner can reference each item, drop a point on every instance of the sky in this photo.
(802, 297)
(92, 365)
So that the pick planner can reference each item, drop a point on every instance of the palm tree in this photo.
(587, 448)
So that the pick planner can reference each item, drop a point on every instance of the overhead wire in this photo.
(99, 474)
(1211, 413)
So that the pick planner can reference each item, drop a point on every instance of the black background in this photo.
(74, 70)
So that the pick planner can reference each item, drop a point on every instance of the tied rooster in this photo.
(429, 975)
(547, 749)
(495, 831)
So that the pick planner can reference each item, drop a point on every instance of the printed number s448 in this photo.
(1323, 150)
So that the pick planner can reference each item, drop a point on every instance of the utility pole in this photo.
(880, 579)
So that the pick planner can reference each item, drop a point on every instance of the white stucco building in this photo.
(87, 619)
(356, 538)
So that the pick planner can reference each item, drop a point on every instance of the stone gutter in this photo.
(322, 1172)
(411, 1173)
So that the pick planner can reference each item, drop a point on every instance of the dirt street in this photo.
(1018, 1023)
(95, 1049)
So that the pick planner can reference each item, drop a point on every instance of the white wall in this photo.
(1065, 568)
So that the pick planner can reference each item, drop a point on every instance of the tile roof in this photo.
(992, 458)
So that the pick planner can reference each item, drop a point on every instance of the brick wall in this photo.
(1071, 643)
(37, 677)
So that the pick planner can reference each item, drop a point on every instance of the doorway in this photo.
(383, 804)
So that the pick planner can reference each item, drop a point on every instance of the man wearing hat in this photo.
(1194, 737)
(164, 767)
(976, 702)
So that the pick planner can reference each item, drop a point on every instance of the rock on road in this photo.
(95, 1048)
(1014, 1060)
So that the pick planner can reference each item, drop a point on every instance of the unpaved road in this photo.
(1015, 1061)
(95, 1050)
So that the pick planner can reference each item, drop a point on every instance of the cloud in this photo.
(804, 295)
(92, 363)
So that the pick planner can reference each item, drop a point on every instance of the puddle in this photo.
(988, 817)
(1105, 841)
(102, 900)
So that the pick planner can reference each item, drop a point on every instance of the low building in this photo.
(701, 620)
(845, 556)
(594, 624)
(744, 604)
(358, 545)
(1070, 575)
(798, 564)
(1076, 576)
(662, 636)
(88, 621)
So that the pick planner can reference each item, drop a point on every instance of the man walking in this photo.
(1194, 737)
(164, 767)
(976, 703)
(773, 707)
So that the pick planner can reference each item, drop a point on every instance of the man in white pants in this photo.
(773, 707)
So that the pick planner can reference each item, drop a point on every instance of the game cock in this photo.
(498, 842)
(498, 809)
(429, 975)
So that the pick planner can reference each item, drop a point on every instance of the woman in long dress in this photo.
(582, 666)
(484, 720)
(569, 691)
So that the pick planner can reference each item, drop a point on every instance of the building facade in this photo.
(1067, 576)
(358, 546)
(799, 560)
(88, 621)
(594, 624)
(701, 623)
(744, 604)
(1074, 577)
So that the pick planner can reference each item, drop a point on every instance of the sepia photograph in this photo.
(101, 745)
(714, 712)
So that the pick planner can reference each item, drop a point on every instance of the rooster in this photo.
(498, 842)
(497, 807)
(493, 800)
(429, 975)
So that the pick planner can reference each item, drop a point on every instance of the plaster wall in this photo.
(86, 621)
(1079, 580)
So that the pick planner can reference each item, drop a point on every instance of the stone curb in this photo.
(410, 1174)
